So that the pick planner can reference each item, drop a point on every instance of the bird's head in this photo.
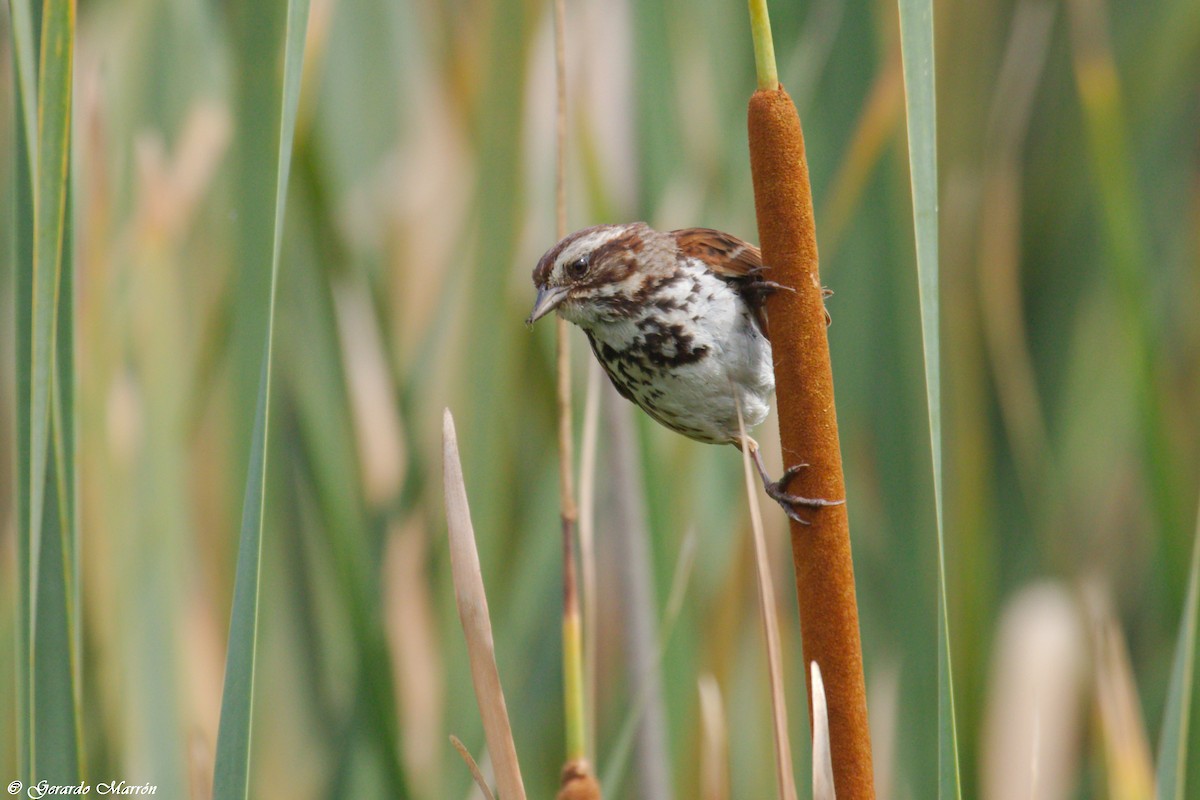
(593, 274)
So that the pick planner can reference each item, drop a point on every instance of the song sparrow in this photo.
(678, 322)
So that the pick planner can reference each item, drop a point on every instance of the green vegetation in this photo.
(420, 196)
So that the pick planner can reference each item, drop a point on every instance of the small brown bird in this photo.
(678, 322)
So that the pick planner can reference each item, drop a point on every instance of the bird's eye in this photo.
(578, 268)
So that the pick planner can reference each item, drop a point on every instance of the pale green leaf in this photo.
(1173, 742)
(231, 778)
(916, 37)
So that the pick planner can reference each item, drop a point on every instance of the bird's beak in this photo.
(548, 298)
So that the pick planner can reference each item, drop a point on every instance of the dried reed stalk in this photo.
(587, 539)
(822, 761)
(472, 767)
(785, 778)
(477, 626)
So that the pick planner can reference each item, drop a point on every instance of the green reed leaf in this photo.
(1173, 741)
(48, 639)
(916, 38)
(231, 777)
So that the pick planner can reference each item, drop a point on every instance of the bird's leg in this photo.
(777, 490)
(771, 286)
(765, 287)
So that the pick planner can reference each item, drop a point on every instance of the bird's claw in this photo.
(790, 473)
(765, 287)
(774, 286)
(791, 503)
(777, 490)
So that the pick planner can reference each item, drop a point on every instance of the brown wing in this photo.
(736, 261)
(726, 255)
(730, 258)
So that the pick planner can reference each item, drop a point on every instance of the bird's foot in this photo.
(777, 491)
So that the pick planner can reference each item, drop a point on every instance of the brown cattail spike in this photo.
(578, 783)
(808, 431)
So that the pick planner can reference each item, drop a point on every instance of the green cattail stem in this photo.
(764, 47)
(572, 633)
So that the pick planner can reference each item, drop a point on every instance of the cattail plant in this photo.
(807, 416)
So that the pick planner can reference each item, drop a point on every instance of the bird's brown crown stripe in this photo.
(630, 242)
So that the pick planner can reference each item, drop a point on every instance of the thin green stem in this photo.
(573, 687)
(764, 47)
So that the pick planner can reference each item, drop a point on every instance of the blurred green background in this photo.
(421, 197)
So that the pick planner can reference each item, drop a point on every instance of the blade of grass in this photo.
(64, 433)
(231, 771)
(1173, 741)
(25, 20)
(916, 45)
(23, 286)
(257, 34)
(50, 205)
(231, 774)
(49, 681)
(56, 750)
(58, 628)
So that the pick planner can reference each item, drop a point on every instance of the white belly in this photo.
(689, 365)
